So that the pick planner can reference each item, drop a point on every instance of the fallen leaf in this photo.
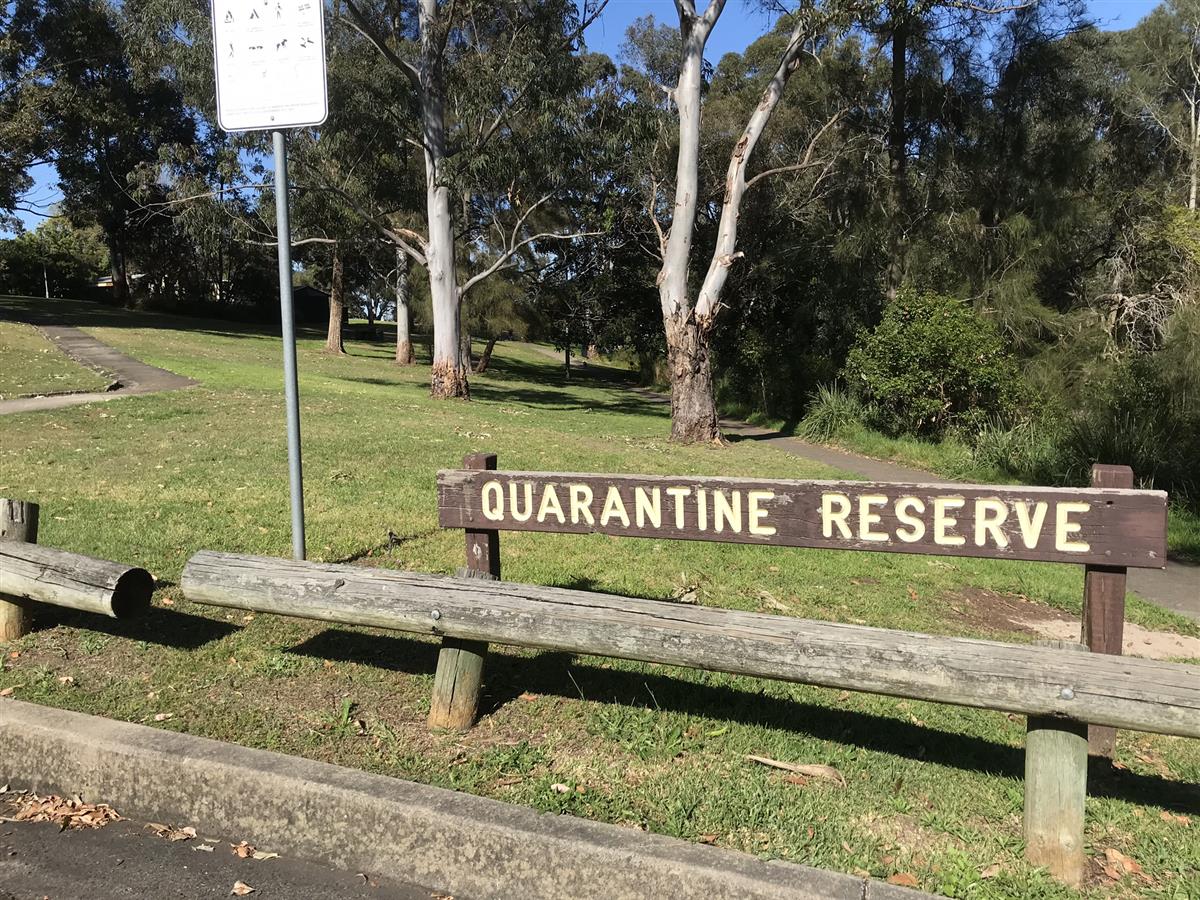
(560, 788)
(812, 770)
(904, 879)
(162, 717)
(243, 850)
(262, 854)
(708, 838)
(529, 695)
(771, 602)
(172, 834)
(1164, 815)
(991, 871)
(66, 679)
(842, 697)
(7, 692)
(1112, 872)
(207, 848)
(240, 889)
(1117, 859)
(796, 779)
(167, 601)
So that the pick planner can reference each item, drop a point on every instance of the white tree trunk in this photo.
(725, 252)
(693, 407)
(404, 348)
(449, 379)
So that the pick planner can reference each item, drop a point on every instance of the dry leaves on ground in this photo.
(904, 879)
(240, 889)
(1176, 818)
(246, 850)
(68, 813)
(171, 833)
(809, 770)
(1117, 865)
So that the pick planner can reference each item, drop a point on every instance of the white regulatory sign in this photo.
(270, 61)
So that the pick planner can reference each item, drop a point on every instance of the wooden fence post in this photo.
(1104, 606)
(459, 678)
(18, 522)
(1056, 759)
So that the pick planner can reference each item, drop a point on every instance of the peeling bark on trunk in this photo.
(486, 359)
(404, 347)
(337, 305)
(694, 417)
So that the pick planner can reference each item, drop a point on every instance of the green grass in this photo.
(932, 790)
(30, 365)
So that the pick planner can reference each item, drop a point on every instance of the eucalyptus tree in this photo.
(492, 88)
(689, 309)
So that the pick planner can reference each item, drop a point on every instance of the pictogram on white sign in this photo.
(270, 62)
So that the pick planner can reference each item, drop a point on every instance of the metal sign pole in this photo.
(283, 231)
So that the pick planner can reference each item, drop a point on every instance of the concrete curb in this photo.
(466, 845)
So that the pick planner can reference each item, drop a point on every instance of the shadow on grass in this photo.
(165, 627)
(564, 675)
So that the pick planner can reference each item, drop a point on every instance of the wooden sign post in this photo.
(1104, 606)
(18, 522)
(458, 681)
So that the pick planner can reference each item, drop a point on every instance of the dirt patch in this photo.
(1138, 641)
(990, 612)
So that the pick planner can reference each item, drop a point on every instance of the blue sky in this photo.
(739, 25)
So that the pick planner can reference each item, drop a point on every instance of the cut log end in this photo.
(131, 594)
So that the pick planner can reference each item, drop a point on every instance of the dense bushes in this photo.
(931, 365)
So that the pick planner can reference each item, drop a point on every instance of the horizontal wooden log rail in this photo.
(29, 572)
(1124, 692)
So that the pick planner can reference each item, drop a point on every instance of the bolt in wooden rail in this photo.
(18, 522)
(1056, 753)
(458, 682)
(1104, 606)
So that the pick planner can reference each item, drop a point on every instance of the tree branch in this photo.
(363, 27)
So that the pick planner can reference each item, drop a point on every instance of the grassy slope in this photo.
(29, 365)
(933, 790)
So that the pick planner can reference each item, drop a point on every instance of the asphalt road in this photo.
(126, 860)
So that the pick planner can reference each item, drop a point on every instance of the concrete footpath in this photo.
(129, 376)
(457, 844)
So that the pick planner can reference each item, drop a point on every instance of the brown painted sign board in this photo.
(1097, 526)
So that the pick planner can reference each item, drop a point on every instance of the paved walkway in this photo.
(130, 376)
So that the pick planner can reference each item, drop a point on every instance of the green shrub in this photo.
(1029, 450)
(1140, 416)
(930, 365)
(831, 411)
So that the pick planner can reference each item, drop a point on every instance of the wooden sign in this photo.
(1107, 527)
